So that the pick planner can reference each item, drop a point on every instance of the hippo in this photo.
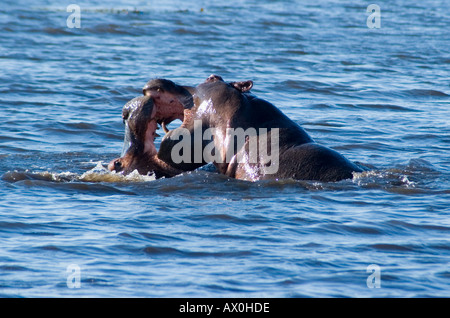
(141, 118)
(217, 108)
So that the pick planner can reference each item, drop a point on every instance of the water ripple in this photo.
(157, 251)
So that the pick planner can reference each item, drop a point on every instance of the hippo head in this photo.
(140, 132)
(217, 101)
(163, 102)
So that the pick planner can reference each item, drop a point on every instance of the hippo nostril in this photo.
(117, 165)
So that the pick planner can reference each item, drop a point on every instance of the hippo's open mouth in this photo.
(164, 122)
(140, 133)
(163, 102)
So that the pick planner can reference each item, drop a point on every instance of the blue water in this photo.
(379, 96)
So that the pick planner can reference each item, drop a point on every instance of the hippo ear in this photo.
(242, 86)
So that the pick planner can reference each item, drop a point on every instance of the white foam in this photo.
(100, 174)
(365, 177)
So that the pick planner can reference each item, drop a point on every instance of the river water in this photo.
(380, 96)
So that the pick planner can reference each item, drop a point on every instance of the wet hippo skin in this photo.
(221, 106)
